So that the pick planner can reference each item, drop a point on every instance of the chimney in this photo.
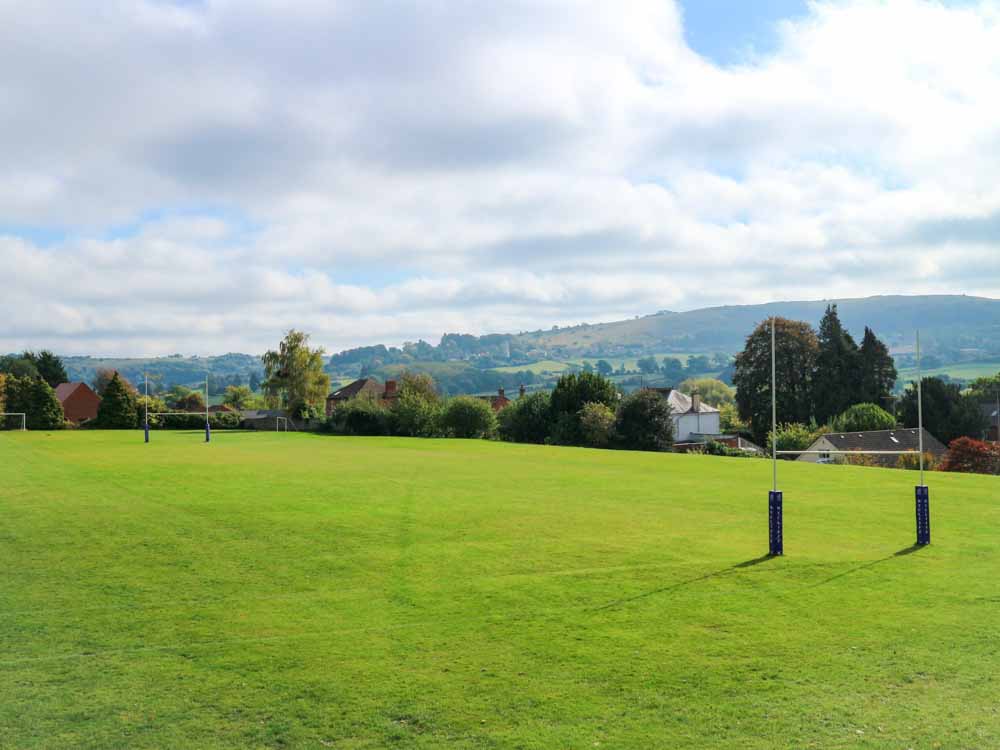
(520, 393)
(390, 389)
(695, 402)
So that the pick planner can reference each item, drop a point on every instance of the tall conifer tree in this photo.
(837, 379)
(878, 370)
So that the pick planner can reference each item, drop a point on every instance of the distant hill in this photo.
(170, 371)
(952, 327)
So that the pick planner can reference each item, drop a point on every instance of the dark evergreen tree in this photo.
(36, 400)
(46, 412)
(878, 371)
(568, 397)
(49, 367)
(643, 422)
(797, 349)
(118, 407)
(948, 414)
(837, 377)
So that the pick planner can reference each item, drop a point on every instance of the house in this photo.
(500, 400)
(79, 401)
(691, 415)
(364, 386)
(906, 439)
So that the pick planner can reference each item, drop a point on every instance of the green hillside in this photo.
(951, 326)
(297, 591)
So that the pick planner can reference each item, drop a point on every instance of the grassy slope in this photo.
(961, 370)
(300, 591)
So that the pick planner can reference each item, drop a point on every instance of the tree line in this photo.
(824, 377)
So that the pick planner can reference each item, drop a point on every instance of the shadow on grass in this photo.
(901, 553)
(682, 584)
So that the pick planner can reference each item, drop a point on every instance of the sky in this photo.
(198, 177)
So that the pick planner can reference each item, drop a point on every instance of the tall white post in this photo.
(920, 412)
(774, 405)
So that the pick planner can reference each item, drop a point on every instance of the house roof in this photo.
(352, 389)
(681, 403)
(65, 390)
(907, 439)
(263, 413)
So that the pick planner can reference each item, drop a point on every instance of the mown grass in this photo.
(303, 591)
(960, 370)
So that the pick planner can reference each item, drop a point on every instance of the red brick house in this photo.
(79, 402)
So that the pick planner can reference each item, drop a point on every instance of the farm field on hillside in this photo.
(290, 590)
(962, 371)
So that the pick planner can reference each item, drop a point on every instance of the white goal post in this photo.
(22, 415)
(776, 496)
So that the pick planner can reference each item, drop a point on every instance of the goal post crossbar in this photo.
(847, 453)
(21, 414)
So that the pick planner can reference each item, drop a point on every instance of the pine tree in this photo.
(46, 413)
(49, 366)
(837, 378)
(118, 407)
(878, 370)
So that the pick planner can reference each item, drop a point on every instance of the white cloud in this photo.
(376, 171)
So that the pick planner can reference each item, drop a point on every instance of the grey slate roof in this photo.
(906, 439)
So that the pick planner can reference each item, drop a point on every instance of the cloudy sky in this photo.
(197, 176)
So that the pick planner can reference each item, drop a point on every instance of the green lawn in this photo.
(289, 590)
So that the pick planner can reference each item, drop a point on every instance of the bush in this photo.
(527, 420)
(361, 416)
(912, 462)
(972, 457)
(597, 425)
(468, 417)
(643, 422)
(715, 448)
(793, 436)
(864, 418)
(416, 415)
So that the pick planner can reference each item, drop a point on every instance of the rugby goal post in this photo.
(22, 415)
(776, 543)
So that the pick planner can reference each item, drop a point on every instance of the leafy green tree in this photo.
(878, 370)
(294, 375)
(415, 415)
(49, 367)
(527, 420)
(34, 398)
(118, 407)
(985, 389)
(648, 365)
(255, 381)
(643, 422)
(587, 367)
(948, 414)
(712, 391)
(469, 417)
(191, 401)
(797, 349)
(604, 367)
(568, 397)
(673, 370)
(729, 419)
(864, 418)
(239, 397)
(837, 376)
(597, 425)
(19, 367)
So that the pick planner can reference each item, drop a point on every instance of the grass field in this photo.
(295, 591)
